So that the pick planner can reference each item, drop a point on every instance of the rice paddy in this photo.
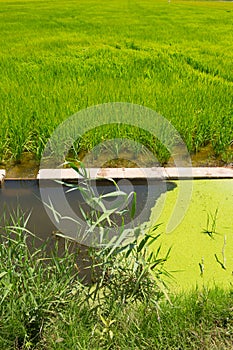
(59, 57)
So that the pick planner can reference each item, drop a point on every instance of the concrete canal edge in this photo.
(156, 173)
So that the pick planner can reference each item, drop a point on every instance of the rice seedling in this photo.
(63, 57)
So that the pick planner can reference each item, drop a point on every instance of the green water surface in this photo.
(191, 244)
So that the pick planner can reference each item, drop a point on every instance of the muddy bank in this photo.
(28, 166)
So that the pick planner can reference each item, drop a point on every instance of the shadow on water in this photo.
(24, 196)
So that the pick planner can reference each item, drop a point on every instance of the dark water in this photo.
(25, 196)
(19, 197)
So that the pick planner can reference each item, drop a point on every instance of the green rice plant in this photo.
(48, 72)
(115, 139)
(223, 137)
(4, 147)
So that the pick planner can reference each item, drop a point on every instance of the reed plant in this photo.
(37, 287)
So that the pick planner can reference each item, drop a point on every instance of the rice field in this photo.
(59, 57)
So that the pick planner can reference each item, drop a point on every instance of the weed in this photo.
(210, 229)
(124, 269)
(34, 287)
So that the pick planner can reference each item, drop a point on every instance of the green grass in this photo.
(197, 320)
(58, 57)
(44, 305)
